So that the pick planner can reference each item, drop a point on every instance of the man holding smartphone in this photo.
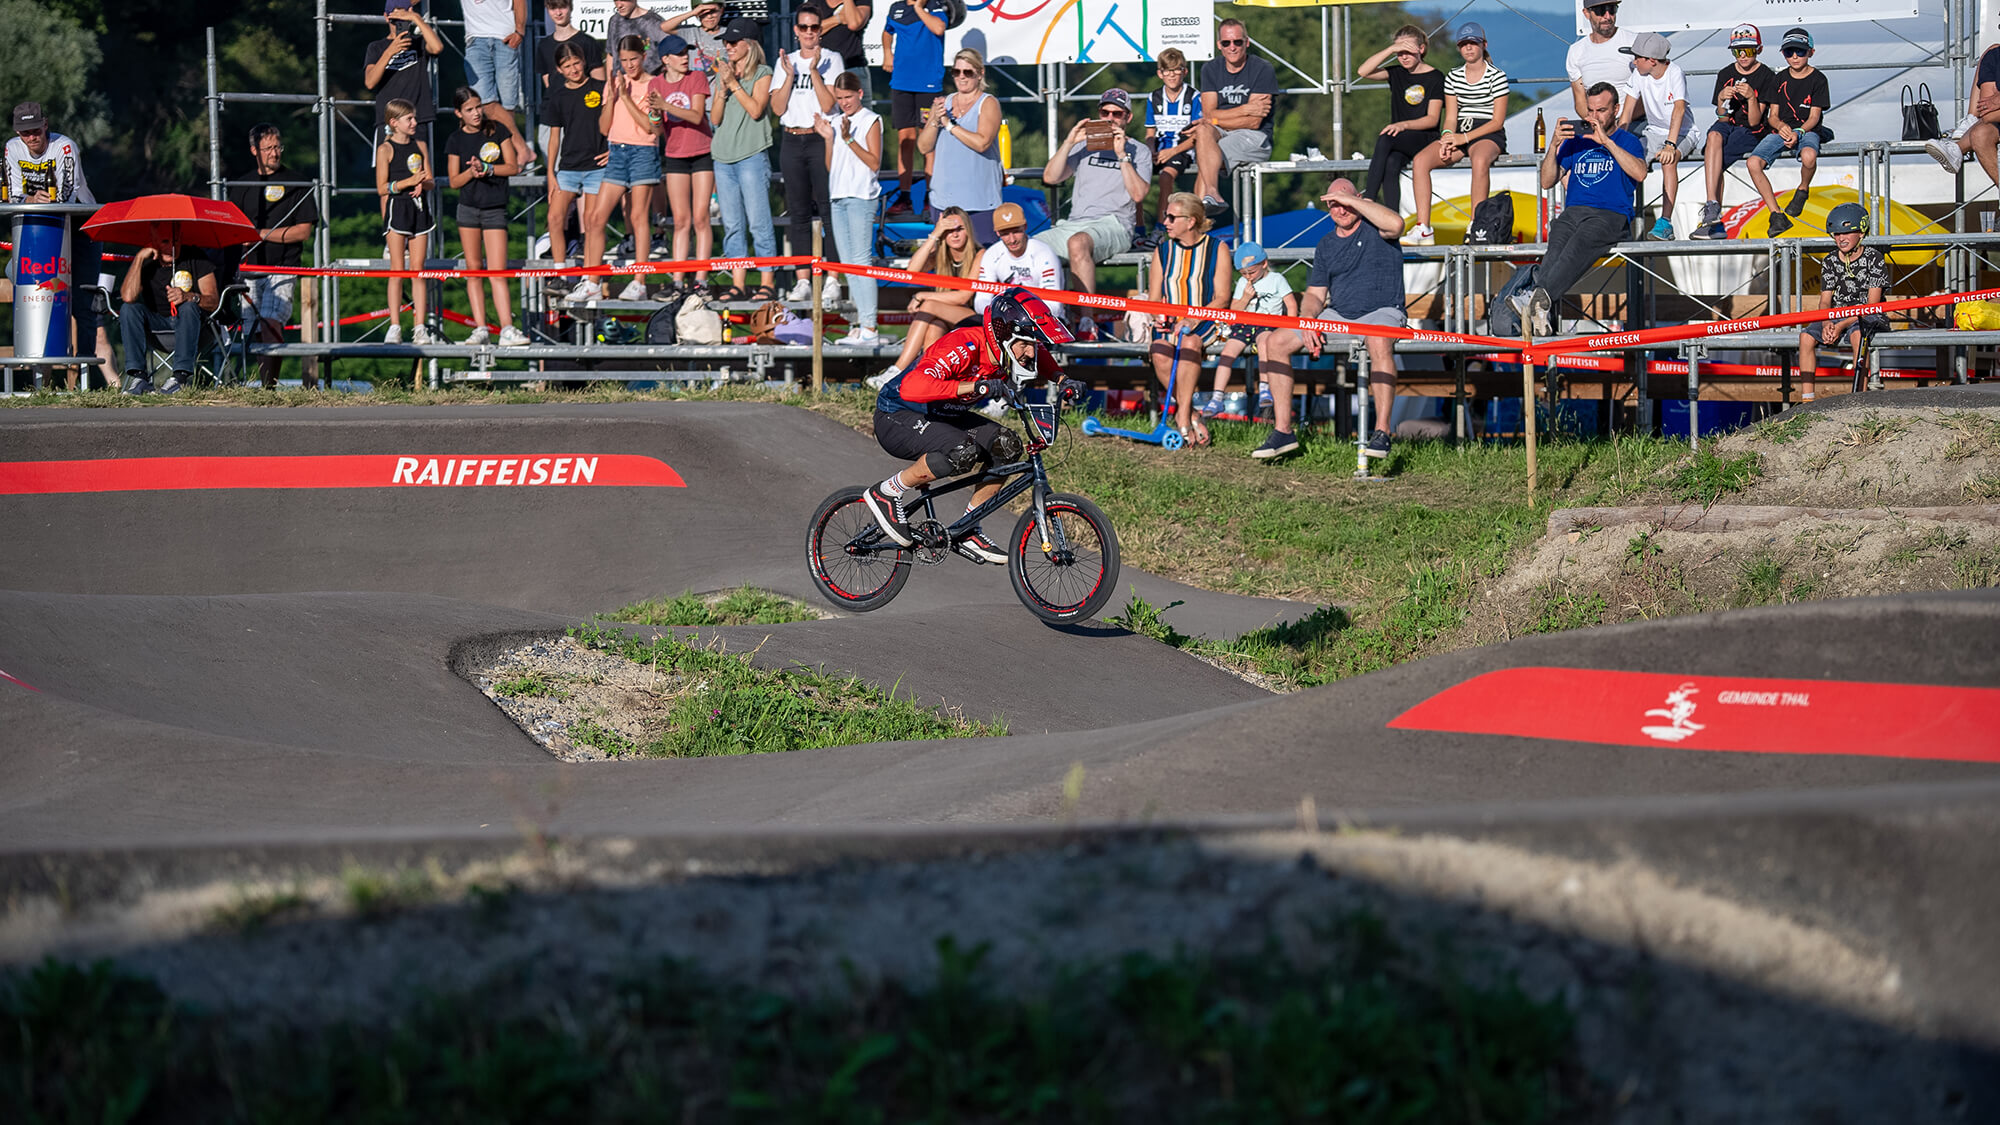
(1604, 164)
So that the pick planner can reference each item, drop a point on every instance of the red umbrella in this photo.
(189, 219)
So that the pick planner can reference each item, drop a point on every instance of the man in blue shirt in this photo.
(913, 54)
(1605, 165)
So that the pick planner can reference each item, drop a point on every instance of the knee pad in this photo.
(1007, 448)
(956, 461)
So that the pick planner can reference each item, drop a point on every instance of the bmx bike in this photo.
(1062, 556)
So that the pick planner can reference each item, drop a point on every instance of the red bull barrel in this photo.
(41, 285)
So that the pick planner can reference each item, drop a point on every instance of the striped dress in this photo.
(1187, 273)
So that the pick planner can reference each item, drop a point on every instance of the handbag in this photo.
(696, 323)
(1920, 114)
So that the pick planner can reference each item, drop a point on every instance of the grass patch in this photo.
(1982, 488)
(1784, 429)
(734, 607)
(1558, 610)
(532, 685)
(253, 910)
(727, 706)
(1369, 1034)
(1706, 476)
(1760, 581)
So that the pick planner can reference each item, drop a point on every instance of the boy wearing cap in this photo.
(1978, 132)
(398, 68)
(1659, 88)
(1017, 259)
(1259, 289)
(1110, 184)
(1742, 96)
(1796, 117)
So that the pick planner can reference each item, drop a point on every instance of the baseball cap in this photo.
(1746, 35)
(1117, 97)
(1249, 254)
(391, 5)
(29, 115)
(1469, 32)
(740, 29)
(1009, 216)
(1798, 37)
(1649, 45)
(673, 45)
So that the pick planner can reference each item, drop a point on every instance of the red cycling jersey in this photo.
(961, 355)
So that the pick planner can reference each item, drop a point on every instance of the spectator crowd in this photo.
(677, 121)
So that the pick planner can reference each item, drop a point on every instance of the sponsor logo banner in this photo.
(1743, 714)
(369, 470)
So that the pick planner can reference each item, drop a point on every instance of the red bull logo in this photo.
(41, 284)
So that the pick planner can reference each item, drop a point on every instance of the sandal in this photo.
(732, 293)
(763, 293)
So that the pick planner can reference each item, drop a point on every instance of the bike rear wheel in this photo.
(1073, 583)
(854, 565)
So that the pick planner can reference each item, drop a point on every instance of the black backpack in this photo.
(661, 327)
(1492, 222)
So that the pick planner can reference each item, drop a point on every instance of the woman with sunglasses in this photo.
(963, 130)
(1475, 115)
(1416, 106)
(741, 117)
(953, 252)
(1190, 267)
(801, 90)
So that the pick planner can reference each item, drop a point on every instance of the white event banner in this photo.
(1771, 16)
(1078, 31)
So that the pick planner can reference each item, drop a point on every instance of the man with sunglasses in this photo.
(1110, 184)
(1598, 56)
(1743, 93)
(1238, 100)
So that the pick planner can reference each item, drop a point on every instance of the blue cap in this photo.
(1469, 32)
(1249, 254)
(1798, 37)
(673, 45)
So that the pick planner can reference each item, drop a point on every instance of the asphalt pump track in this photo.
(226, 629)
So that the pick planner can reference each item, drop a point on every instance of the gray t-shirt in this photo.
(641, 23)
(1100, 183)
(740, 137)
(1360, 272)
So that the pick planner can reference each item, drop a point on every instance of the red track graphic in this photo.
(373, 470)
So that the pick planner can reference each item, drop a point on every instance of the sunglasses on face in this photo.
(963, 72)
(1233, 42)
(1796, 52)
(1744, 52)
(1172, 215)
(1602, 9)
(806, 26)
(1115, 112)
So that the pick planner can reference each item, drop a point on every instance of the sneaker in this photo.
(421, 334)
(174, 383)
(890, 515)
(137, 384)
(1377, 445)
(586, 290)
(1711, 212)
(1521, 302)
(802, 291)
(1797, 205)
(555, 287)
(663, 291)
(481, 336)
(635, 290)
(976, 546)
(512, 337)
(859, 338)
(394, 335)
(1713, 230)
(1780, 223)
(1277, 444)
(1947, 153)
(1541, 311)
(828, 293)
(1420, 235)
(1663, 231)
(877, 382)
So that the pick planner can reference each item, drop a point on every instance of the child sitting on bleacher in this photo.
(1259, 289)
(1796, 117)
(1852, 275)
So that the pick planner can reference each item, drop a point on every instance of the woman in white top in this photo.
(853, 137)
(1475, 124)
(800, 91)
(964, 131)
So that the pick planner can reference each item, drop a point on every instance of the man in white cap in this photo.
(1596, 57)
(1658, 93)
(1111, 181)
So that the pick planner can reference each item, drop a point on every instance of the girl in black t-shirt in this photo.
(478, 161)
(403, 178)
(1416, 101)
(577, 152)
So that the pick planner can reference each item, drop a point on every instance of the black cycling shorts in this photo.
(907, 435)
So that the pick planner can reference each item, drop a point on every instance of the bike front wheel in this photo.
(854, 564)
(1073, 579)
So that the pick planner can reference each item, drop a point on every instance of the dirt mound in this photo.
(1843, 500)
